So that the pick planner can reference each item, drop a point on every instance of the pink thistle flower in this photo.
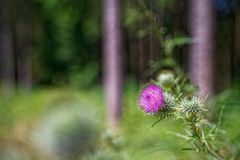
(151, 99)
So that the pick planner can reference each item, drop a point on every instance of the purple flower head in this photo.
(151, 99)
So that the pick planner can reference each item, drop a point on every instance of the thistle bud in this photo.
(191, 106)
(165, 77)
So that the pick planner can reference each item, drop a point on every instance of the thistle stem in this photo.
(200, 142)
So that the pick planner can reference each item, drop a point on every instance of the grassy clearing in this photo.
(23, 111)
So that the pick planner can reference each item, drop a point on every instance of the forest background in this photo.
(57, 54)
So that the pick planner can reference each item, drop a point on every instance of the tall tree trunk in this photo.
(237, 42)
(112, 60)
(142, 58)
(7, 51)
(224, 51)
(201, 51)
(133, 58)
(24, 45)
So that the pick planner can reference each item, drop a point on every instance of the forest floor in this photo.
(22, 112)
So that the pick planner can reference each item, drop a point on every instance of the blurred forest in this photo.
(59, 42)
(58, 53)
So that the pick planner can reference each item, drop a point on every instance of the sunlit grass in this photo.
(22, 112)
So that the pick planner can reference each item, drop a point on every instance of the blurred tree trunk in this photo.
(237, 42)
(133, 58)
(24, 44)
(224, 50)
(201, 51)
(142, 58)
(7, 51)
(112, 50)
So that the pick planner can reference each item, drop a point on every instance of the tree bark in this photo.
(24, 45)
(201, 51)
(236, 60)
(112, 51)
(7, 51)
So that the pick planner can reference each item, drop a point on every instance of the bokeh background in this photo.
(71, 71)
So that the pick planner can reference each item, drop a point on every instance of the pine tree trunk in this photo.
(24, 45)
(201, 51)
(7, 51)
(224, 51)
(236, 58)
(112, 51)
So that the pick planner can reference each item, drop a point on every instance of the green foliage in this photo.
(229, 99)
(144, 21)
(83, 78)
(67, 35)
(170, 43)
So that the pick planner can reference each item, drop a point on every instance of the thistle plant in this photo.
(162, 100)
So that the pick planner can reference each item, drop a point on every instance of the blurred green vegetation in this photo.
(230, 120)
(66, 41)
(66, 56)
(25, 113)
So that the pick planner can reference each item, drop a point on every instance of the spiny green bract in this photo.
(168, 107)
(191, 106)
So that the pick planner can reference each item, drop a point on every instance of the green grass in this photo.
(20, 113)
